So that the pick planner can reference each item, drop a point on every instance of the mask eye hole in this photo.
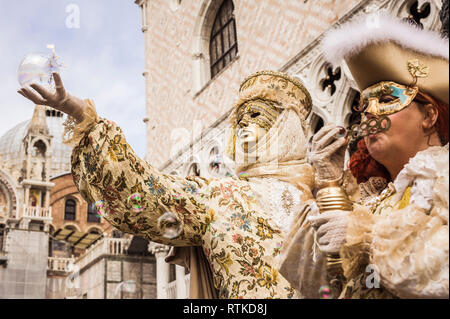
(255, 115)
(387, 98)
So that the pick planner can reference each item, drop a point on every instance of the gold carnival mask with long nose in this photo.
(254, 119)
(260, 112)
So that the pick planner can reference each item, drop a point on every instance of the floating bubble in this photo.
(135, 201)
(243, 174)
(100, 208)
(169, 225)
(342, 132)
(325, 292)
(176, 196)
(37, 68)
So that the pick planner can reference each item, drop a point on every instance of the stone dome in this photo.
(12, 148)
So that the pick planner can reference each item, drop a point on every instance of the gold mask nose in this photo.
(373, 106)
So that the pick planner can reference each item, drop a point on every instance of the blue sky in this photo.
(104, 57)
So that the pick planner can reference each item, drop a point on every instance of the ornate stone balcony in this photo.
(60, 265)
(36, 212)
(105, 246)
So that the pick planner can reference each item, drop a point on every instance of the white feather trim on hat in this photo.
(350, 38)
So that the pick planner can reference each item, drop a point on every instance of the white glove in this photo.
(331, 228)
(60, 99)
(328, 154)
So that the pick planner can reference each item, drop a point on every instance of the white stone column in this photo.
(181, 282)
(47, 198)
(162, 269)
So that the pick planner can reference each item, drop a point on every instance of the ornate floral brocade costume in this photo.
(240, 223)
(403, 234)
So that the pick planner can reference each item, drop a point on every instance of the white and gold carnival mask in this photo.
(381, 100)
(254, 120)
(386, 98)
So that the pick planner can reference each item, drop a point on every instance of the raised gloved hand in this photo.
(327, 154)
(331, 228)
(59, 100)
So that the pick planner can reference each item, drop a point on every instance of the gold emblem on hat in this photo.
(417, 70)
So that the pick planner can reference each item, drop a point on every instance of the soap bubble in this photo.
(37, 68)
(325, 292)
(342, 132)
(100, 208)
(169, 225)
(243, 174)
(135, 201)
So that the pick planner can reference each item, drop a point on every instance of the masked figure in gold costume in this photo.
(239, 223)
(393, 240)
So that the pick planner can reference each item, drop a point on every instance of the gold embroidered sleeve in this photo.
(74, 132)
(105, 168)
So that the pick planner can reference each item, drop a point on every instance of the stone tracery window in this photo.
(223, 45)
(332, 76)
(194, 170)
(417, 14)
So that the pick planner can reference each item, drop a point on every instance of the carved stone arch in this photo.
(343, 102)
(401, 8)
(214, 150)
(75, 198)
(71, 225)
(38, 139)
(215, 160)
(352, 97)
(316, 121)
(8, 188)
(192, 166)
(97, 230)
(200, 44)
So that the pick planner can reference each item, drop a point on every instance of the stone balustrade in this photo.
(36, 212)
(171, 288)
(105, 246)
(60, 264)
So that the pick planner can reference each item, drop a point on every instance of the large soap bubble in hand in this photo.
(38, 68)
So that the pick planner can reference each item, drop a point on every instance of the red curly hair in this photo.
(363, 166)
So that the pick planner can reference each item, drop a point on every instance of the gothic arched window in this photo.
(223, 42)
(70, 209)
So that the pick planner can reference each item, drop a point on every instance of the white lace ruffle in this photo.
(421, 173)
